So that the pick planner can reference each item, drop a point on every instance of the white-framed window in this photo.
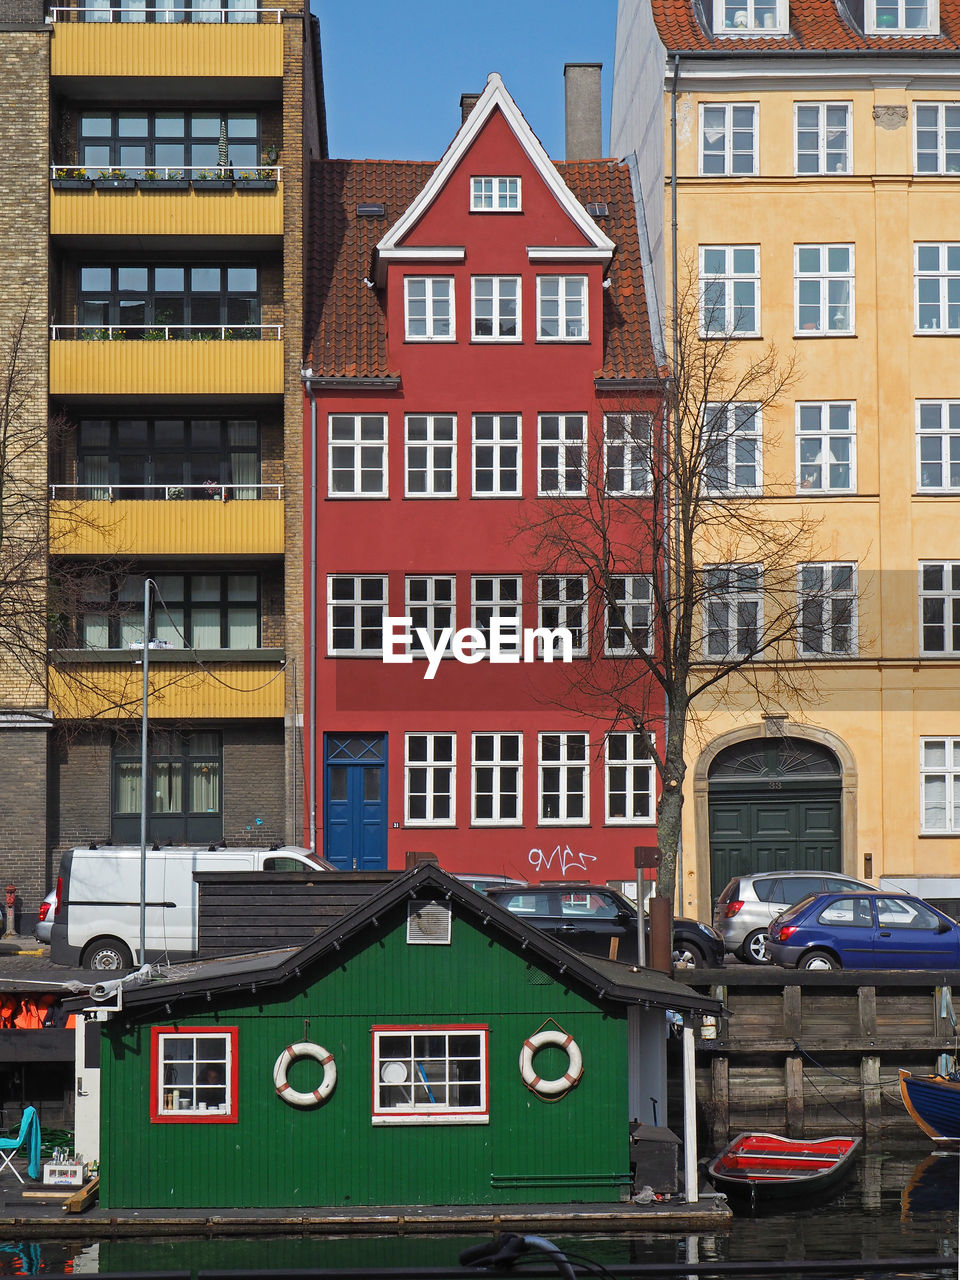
(496, 455)
(728, 139)
(901, 17)
(356, 608)
(630, 781)
(564, 779)
(561, 447)
(828, 609)
(733, 604)
(494, 195)
(826, 446)
(729, 290)
(627, 442)
(937, 288)
(562, 602)
(562, 308)
(497, 774)
(732, 447)
(431, 605)
(749, 17)
(430, 442)
(357, 455)
(823, 279)
(629, 613)
(940, 785)
(940, 607)
(937, 137)
(822, 137)
(430, 771)
(496, 596)
(938, 445)
(428, 314)
(495, 308)
(430, 1075)
(193, 1075)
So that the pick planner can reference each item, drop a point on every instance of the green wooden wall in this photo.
(574, 1149)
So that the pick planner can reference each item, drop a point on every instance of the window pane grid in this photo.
(356, 607)
(496, 308)
(729, 290)
(627, 441)
(828, 609)
(824, 288)
(728, 139)
(431, 607)
(430, 1071)
(430, 775)
(496, 777)
(940, 608)
(561, 308)
(428, 308)
(732, 610)
(561, 441)
(496, 597)
(826, 446)
(496, 455)
(358, 456)
(822, 137)
(563, 778)
(629, 614)
(732, 443)
(940, 784)
(563, 603)
(629, 780)
(937, 137)
(937, 287)
(194, 1074)
(495, 195)
(431, 455)
(938, 445)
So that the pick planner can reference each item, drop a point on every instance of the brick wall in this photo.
(23, 804)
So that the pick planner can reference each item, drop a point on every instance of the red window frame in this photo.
(419, 1115)
(229, 1116)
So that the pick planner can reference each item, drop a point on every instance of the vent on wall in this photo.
(428, 923)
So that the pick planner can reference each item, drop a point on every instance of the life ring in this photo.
(292, 1053)
(548, 1088)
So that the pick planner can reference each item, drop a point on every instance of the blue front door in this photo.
(355, 801)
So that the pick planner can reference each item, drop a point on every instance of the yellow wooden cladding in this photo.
(177, 367)
(149, 213)
(155, 50)
(173, 527)
(178, 690)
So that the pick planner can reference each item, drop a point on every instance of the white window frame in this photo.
(360, 453)
(572, 308)
(498, 766)
(947, 596)
(635, 765)
(873, 24)
(506, 457)
(430, 601)
(822, 128)
(434, 445)
(731, 275)
(827, 436)
(627, 446)
(824, 596)
(416, 1098)
(568, 764)
(168, 1094)
(754, 23)
(562, 452)
(436, 301)
(495, 194)
(738, 435)
(432, 768)
(833, 315)
(731, 598)
(941, 280)
(633, 592)
(358, 603)
(728, 120)
(562, 602)
(949, 774)
(499, 302)
(944, 163)
(491, 597)
(940, 444)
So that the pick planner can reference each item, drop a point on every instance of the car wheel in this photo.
(107, 955)
(687, 956)
(819, 960)
(754, 947)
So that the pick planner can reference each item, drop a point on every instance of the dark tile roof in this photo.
(345, 332)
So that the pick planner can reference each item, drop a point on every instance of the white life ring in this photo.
(570, 1077)
(292, 1053)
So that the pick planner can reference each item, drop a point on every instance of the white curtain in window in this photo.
(242, 628)
(243, 465)
(128, 787)
(206, 627)
(204, 786)
(167, 787)
(168, 628)
(96, 472)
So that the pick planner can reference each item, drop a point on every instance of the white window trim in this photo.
(496, 445)
(578, 651)
(476, 207)
(498, 604)
(496, 337)
(825, 434)
(563, 764)
(562, 444)
(356, 604)
(628, 764)
(429, 336)
(432, 1114)
(944, 435)
(728, 108)
(941, 169)
(948, 595)
(729, 277)
(942, 275)
(947, 772)
(357, 444)
(160, 1112)
(496, 765)
(629, 446)
(731, 598)
(824, 276)
(562, 315)
(731, 489)
(822, 171)
(430, 605)
(871, 28)
(430, 444)
(751, 29)
(429, 765)
(628, 649)
(828, 596)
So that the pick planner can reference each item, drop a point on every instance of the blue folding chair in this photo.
(28, 1137)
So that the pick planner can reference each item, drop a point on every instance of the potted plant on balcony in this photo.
(71, 178)
(219, 179)
(114, 180)
(163, 180)
(256, 180)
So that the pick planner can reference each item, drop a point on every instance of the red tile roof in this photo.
(815, 26)
(345, 330)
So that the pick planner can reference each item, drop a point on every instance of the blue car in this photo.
(864, 931)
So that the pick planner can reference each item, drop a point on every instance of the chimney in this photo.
(581, 82)
(467, 102)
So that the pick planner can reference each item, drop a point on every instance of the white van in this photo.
(97, 920)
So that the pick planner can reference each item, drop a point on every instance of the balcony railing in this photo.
(147, 175)
(165, 332)
(170, 492)
(163, 14)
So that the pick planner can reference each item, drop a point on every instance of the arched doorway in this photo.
(774, 804)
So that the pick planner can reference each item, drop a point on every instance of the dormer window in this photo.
(902, 17)
(752, 17)
(494, 195)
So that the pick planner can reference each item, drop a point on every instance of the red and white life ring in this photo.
(550, 1088)
(293, 1053)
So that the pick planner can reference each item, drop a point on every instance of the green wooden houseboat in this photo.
(427, 1048)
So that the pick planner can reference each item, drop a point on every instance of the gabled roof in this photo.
(600, 981)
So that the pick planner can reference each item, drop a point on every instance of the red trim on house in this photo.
(230, 1116)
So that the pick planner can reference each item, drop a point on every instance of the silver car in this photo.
(48, 909)
(749, 903)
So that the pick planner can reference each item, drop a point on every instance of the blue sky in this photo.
(394, 69)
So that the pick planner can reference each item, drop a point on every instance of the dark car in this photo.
(864, 931)
(587, 917)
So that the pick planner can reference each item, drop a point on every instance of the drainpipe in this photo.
(310, 703)
(673, 380)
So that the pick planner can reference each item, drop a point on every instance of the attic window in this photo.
(901, 17)
(495, 195)
(428, 924)
(753, 17)
(598, 209)
(371, 210)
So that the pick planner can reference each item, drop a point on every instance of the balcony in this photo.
(136, 360)
(100, 520)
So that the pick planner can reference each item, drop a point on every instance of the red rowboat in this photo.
(765, 1166)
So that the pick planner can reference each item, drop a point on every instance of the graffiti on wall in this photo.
(561, 859)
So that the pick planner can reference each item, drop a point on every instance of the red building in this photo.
(482, 337)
